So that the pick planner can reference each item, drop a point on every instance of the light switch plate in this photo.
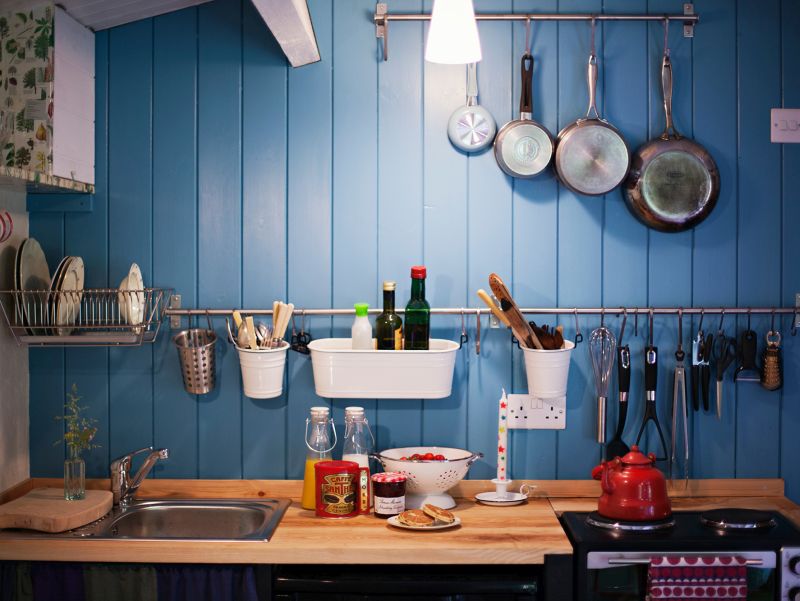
(527, 412)
(785, 126)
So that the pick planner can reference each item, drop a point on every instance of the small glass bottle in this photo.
(418, 313)
(361, 332)
(358, 444)
(320, 448)
(388, 325)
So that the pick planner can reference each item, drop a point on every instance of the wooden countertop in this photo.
(523, 534)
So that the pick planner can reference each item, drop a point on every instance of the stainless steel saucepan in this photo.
(523, 148)
(674, 182)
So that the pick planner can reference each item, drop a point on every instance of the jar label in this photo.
(390, 505)
(338, 494)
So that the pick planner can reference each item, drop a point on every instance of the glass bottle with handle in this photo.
(418, 313)
(358, 444)
(320, 448)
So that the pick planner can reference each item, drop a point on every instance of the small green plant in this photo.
(80, 430)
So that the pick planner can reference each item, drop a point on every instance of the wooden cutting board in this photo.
(45, 509)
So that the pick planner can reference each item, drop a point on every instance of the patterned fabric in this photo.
(694, 578)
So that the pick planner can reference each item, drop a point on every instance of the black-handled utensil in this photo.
(748, 370)
(705, 371)
(650, 413)
(616, 446)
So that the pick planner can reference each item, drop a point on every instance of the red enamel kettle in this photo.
(634, 489)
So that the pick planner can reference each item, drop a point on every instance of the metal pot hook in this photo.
(464, 336)
(578, 335)
(650, 326)
(702, 316)
(477, 331)
(721, 320)
(622, 329)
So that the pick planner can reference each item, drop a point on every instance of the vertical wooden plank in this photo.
(669, 255)
(264, 229)
(790, 412)
(88, 367)
(535, 224)
(625, 103)
(580, 248)
(759, 242)
(400, 195)
(489, 249)
(309, 218)
(219, 164)
(714, 265)
(445, 239)
(130, 222)
(355, 172)
(46, 367)
(175, 226)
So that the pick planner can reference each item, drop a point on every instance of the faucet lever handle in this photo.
(125, 460)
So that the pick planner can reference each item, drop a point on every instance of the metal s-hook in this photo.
(772, 325)
(528, 35)
(794, 323)
(680, 354)
(602, 317)
(702, 316)
(477, 331)
(666, 36)
(721, 320)
(578, 335)
(592, 50)
(464, 336)
(650, 326)
(636, 322)
(622, 329)
(749, 314)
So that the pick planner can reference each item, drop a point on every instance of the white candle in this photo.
(502, 438)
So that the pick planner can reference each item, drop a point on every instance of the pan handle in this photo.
(591, 82)
(666, 86)
(526, 98)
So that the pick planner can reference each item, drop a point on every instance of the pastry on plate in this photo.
(415, 519)
(439, 514)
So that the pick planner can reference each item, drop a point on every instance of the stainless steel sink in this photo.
(189, 519)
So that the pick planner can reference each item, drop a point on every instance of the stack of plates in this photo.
(131, 296)
(31, 273)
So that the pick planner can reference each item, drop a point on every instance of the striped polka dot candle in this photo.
(502, 439)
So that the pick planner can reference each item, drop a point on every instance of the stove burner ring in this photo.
(738, 519)
(599, 521)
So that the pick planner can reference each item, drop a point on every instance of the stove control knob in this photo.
(794, 565)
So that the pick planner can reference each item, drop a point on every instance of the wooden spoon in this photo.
(519, 326)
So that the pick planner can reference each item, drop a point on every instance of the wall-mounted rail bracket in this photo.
(175, 320)
(688, 26)
(796, 311)
(382, 27)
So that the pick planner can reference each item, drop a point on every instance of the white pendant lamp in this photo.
(453, 34)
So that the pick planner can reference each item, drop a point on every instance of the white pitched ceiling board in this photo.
(290, 23)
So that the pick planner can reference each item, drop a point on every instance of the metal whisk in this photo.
(602, 346)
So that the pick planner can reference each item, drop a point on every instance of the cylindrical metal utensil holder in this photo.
(196, 349)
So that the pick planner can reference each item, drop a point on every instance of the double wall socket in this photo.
(527, 412)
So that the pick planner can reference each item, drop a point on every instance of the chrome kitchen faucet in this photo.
(122, 485)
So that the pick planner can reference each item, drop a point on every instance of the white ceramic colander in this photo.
(428, 481)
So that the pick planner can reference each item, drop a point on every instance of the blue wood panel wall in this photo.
(237, 180)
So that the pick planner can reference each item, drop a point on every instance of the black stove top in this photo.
(689, 533)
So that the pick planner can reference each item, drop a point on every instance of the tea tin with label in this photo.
(337, 488)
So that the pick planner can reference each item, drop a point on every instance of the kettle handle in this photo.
(603, 473)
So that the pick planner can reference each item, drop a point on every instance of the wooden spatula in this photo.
(519, 326)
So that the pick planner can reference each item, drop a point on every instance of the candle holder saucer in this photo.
(501, 496)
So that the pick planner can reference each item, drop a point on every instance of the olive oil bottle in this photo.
(418, 313)
(389, 326)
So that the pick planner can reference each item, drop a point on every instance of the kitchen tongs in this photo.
(521, 328)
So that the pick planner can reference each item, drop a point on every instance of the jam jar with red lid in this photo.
(389, 493)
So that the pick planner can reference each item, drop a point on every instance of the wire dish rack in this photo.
(91, 317)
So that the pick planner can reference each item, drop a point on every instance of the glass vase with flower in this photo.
(79, 434)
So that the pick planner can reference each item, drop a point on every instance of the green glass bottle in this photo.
(389, 326)
(418, 313)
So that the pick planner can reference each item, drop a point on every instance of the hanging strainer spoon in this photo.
(602, 346)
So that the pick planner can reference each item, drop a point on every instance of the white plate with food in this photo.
(394, 521)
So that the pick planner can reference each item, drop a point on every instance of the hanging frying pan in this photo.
(674, 182)
(592, 157)
(471, 127)
(523, 148)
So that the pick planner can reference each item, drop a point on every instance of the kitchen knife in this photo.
(498, 313)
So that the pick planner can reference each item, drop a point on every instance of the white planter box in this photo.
(340, 372)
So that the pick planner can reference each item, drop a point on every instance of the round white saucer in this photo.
(491, 498)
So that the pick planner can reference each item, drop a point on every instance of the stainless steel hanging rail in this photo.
(382, 17)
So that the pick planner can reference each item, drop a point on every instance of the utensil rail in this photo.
(81, 318)
(478, 312)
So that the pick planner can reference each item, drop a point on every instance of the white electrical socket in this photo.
(784, 125)
(527, 412)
